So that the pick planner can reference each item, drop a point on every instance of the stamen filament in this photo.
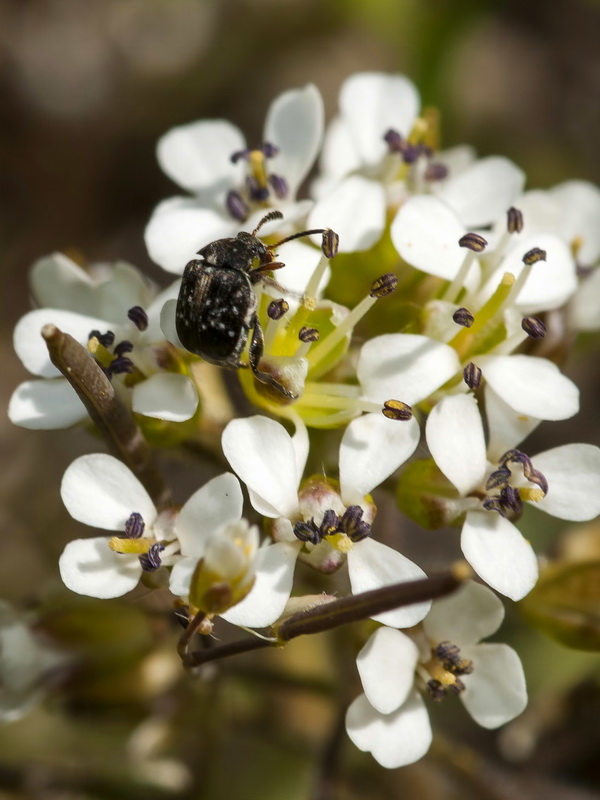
(457, 284)
(326, 345)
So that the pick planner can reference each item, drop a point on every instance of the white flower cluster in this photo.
(471, 256)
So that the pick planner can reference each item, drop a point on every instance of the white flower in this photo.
(562, 482)
(444, 656)
(375, 157)
(271, 463)
(198, 157)
(24, 660)
(79, 303)
(100, 490)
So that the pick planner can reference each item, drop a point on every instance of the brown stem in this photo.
(367, 604)
(107, 411)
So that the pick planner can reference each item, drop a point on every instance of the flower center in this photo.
(133, 542)
(508, 501)
(261, 186)
(444, 670)
(340, 531)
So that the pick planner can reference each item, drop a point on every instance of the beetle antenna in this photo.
(275, 214)
(296, 236)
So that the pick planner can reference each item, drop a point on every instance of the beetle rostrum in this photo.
(216, 307)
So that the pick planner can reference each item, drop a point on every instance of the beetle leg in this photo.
(257, 346)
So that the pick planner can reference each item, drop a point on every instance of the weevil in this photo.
(216, 307)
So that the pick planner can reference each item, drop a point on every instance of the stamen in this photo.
(353, 525)
(533, 327)
(106, 339)
(138, 316)
(533, 475)
(330, 243)
(395, 141)
(239, 154)
(472, 376)
(151, 560)
(121, 365)
(474, 242)
(384, 285)
(269, 150)
(498, 478)
(123, 347)
(277, 309)
(307, 334)
(308, 532)
(134, 526)
(514, 220)
(279, 186)
(397, 410)
(236, 206)
(436, 172)
(449, 654)
(436, 691)
(463, 317)
(534, 255)
(256, 192)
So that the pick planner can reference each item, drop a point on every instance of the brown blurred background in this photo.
(87, 87)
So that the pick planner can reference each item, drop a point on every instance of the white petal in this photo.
(405, 367)
(507, 428)
(338, 156)
(426, 232)
(178, 228)
(386, 665)
(584, 309)
(573, 475)
(45, 404)
(483, 192)
(198, 156)
(495, 691)
(123, 288)
(266, 600)
(498, 553)
(90, 567)
(300, 260)
(531, 386)
(395, 740)
(372, 565)
(471, 613)
(295, 125)
(549, 284)
(100, 490)
(218, 503)
(355, 210)
(371, 103)
(579, 214)
(181, 576)
(165, 395)
(168, 323)
(261, 452)
(31, 348)
(372, 448)
(301, 444)
(58, 282)
(456, 441)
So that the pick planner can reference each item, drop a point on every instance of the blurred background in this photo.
(86, 88)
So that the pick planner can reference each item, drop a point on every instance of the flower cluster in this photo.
(411, 303)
